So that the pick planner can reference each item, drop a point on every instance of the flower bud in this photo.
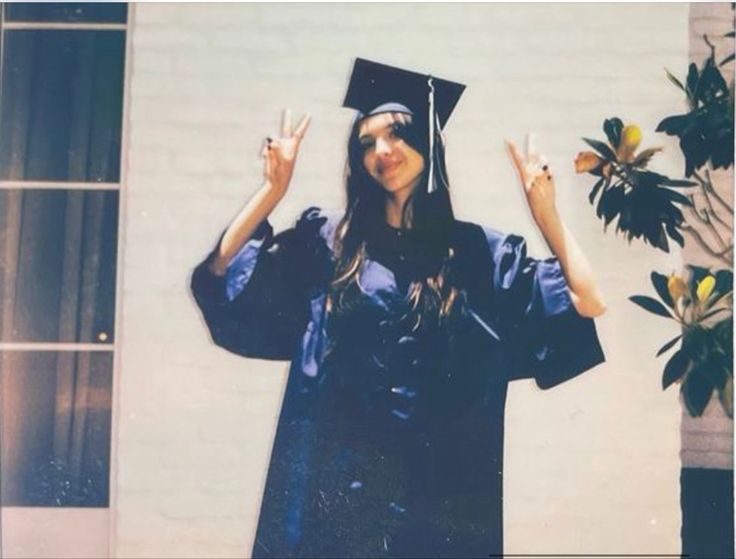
(676, 286)
(630, 140)
(705, 287)
(586, 161)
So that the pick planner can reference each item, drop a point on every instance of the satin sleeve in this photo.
(542, 334)
(261, 306)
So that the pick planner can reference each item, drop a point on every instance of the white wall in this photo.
(592, 466)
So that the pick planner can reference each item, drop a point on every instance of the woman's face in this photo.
(392, 162)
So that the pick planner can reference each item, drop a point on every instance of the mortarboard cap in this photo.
(373, 86)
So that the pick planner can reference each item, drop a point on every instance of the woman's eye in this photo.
(365, 146)
(397, 130)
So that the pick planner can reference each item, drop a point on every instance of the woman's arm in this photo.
(584, 291)
(539, 188)
(279, 157)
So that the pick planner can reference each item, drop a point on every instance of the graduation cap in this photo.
(377, 88)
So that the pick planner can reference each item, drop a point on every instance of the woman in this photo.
(403, 325)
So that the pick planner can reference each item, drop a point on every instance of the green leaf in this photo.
(716, 371)
(696, 390)
(695, 343)
(692, 79)
(714, 299)
(674, 234)
(668, 345)
(698, 272)
(601, 148)
(651, 305)
(724, 280)
(643, 157)
(674, 125)
(674, 80)
(612, 201)
(726, 60)
(730, 34)
(596, 189)
(726, 397)
(676, 197)
(660, 240)
(659, 281)
(612, 127)
(674, 369)
(677, 183)
(707, 315)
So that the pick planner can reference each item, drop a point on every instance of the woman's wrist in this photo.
(548, 220)
(274, 192)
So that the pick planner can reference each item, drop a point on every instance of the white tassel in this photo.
(431, 186)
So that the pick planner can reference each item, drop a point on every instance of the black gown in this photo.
(390, 439)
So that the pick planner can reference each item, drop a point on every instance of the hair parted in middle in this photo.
(429, 216)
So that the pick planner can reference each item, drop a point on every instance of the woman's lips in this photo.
(388, 168)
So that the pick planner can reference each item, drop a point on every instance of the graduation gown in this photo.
(390, 439)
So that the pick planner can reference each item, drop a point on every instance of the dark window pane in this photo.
(62, 100)
(55, 418)
(92, 12)
(57, 265)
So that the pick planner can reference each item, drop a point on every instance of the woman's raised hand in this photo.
(536, 179)
(279, 154)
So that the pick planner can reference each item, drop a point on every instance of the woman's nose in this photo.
(383, 146)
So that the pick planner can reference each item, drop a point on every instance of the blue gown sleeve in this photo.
(261, 306)
(542, 334)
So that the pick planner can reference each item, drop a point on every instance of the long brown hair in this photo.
(429, 215)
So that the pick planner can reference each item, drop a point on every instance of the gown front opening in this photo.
(390, 439)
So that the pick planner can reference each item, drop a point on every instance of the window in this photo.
(61, 108)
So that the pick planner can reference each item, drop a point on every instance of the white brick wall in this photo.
(592, 466)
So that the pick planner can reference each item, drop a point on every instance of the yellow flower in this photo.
(676, 286)
(586, 161)
(630, 140)
(705, 287)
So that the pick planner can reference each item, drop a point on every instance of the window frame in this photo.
(57, 520)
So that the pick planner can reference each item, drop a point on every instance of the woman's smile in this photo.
(386, 168)
(387, 157)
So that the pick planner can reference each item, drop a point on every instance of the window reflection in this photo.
(55, 417)
(57, 265)
(62, 105)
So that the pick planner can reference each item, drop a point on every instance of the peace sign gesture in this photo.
(536, 179)
(279, 154)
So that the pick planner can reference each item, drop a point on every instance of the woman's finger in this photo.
(267, 143)
(516, 157)
(301, 128)
(286, 123)
(531, 145)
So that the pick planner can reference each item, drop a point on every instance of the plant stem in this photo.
(705, 218)
(722, 255)
(708, 186)
(623, 175)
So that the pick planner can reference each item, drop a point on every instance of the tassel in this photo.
(431, 186)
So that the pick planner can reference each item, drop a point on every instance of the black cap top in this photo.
(375, 88)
